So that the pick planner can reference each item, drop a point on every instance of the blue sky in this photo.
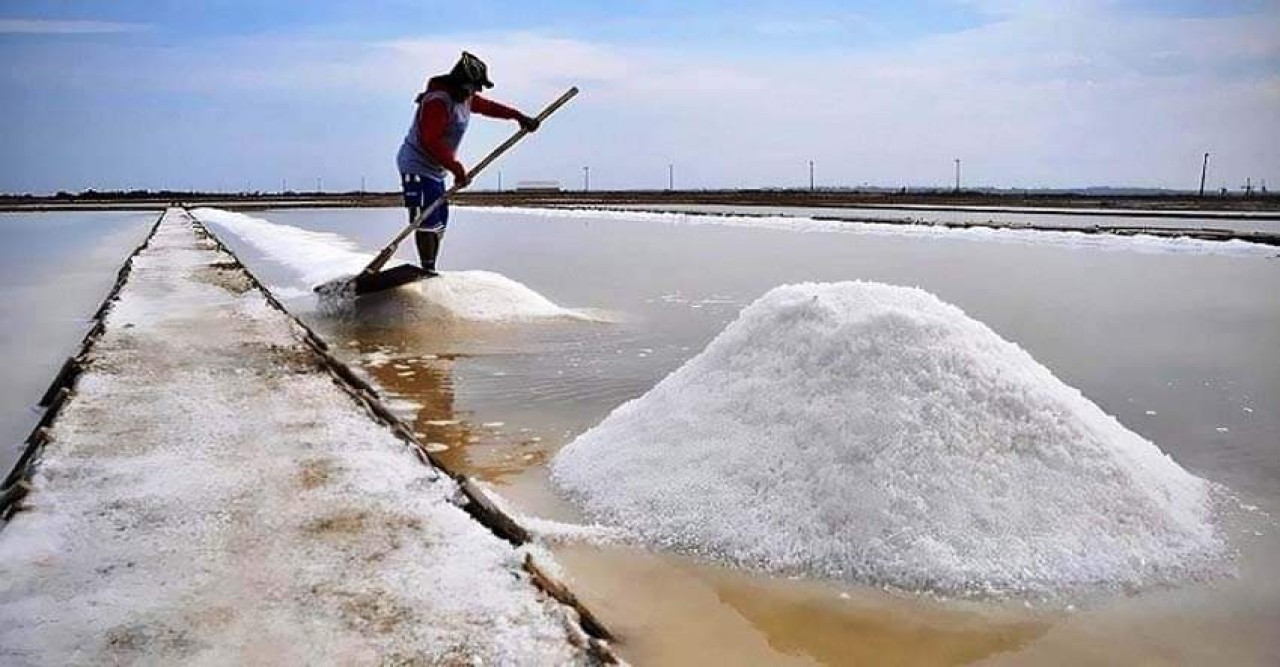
(229, 95)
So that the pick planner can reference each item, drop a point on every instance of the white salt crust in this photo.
(1140, 243)
(211, 497)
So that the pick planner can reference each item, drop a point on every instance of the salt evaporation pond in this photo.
(55, 268)
(871, 432)
(1176, 339)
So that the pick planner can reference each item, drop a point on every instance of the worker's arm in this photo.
(431, 124)
(487, 107)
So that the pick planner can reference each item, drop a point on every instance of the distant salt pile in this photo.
(876, 434)
(917, 229)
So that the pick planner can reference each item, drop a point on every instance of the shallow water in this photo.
(1180, 347)
(55, 269)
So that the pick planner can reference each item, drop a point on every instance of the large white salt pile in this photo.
(876, 434)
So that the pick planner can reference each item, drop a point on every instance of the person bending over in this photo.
(430, 148)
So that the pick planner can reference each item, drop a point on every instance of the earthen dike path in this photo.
(210, 486)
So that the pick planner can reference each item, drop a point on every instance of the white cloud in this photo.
(50, 27)
(516, 61)
(809, 27)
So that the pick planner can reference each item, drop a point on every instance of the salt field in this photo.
(546, 322)
(535, 335)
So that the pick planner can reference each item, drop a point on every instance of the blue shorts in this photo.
(419, 193)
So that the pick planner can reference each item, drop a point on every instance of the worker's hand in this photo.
(528, 124)
(460, 178)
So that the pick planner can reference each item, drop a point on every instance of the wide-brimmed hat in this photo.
(470, 69)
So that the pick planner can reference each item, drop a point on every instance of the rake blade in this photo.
(390, 279)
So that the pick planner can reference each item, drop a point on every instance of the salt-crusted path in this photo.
(210, 495)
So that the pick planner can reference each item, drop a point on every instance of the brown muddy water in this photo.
(1180, 346)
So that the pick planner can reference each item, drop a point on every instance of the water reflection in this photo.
(667, 608)
(55, 268)
(872, 628)
(416, 367)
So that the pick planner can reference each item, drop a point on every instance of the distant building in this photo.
(538, 186)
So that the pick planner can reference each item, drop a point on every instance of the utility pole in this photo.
(671, 176)
(1204, 169)
(957, 175)
(319, 182)
(499, 180)
(362, 185)
(284, 185)
(1248, 186)
(810, 175)
(586, 179)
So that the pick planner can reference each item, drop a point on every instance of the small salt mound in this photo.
(484, 296)
(876, 434)
(331, 261)
(458, 297)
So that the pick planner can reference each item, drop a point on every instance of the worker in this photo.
(430, 147)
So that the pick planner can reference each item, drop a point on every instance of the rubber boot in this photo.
(428, 247)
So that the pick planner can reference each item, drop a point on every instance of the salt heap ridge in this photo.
(874, 433)
(332, 259)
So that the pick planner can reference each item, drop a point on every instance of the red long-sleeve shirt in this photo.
(434, 116)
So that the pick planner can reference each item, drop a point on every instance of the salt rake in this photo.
(372, 278)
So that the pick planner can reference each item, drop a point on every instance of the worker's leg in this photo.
(428, 248)
(431, 231)
(419, 193)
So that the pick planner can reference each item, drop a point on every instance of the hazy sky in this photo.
(235, 94)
